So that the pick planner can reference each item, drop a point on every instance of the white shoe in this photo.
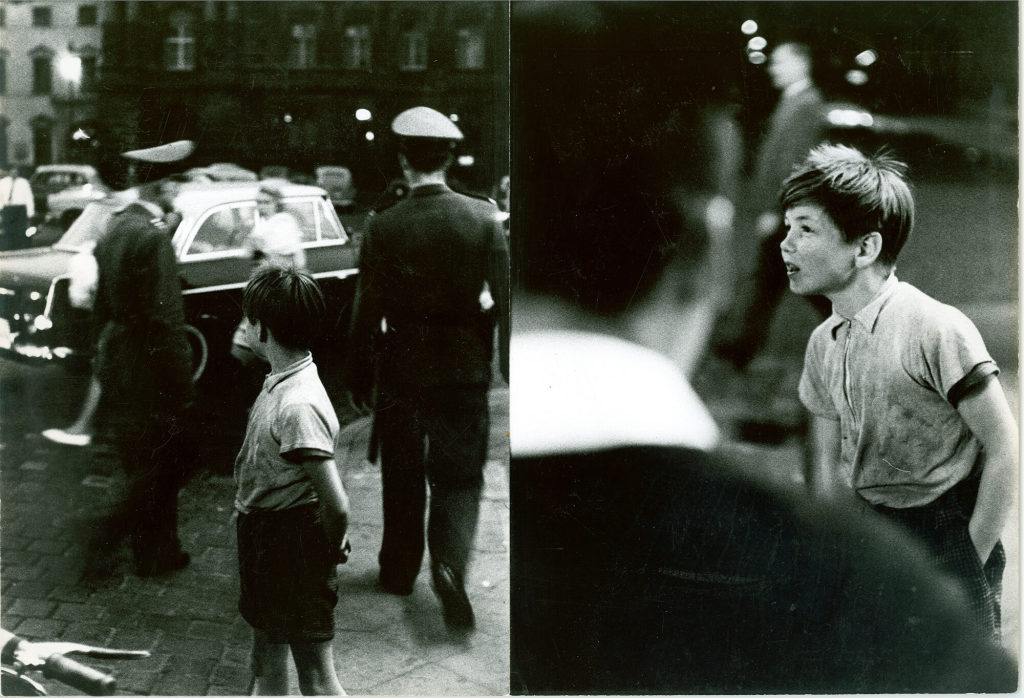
(59, 436)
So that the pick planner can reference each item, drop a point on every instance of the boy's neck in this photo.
(862, 290)
(281, 358)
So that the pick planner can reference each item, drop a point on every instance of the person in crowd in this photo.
(796, 125)
(17, 208)
(83, 273)
(143, 367)
(424, 263)
(907, 408)
(643, 560)
(275, 240)
(292, 507)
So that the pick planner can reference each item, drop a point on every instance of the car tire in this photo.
(200, 351)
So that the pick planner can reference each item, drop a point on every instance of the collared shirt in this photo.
(292, 413)
(891, 376)
(796, 88)
(577, 392)
(17, 191)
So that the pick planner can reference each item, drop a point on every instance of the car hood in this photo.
(33, 268)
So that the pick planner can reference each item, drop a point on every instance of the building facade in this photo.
(304, 84)
(49, 71)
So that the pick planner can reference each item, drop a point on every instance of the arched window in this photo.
(470, 49)
(42, 70)
(42, 139)
(358, 47)
(413, 50)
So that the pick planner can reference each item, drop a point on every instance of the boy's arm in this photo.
(988, 416)
(323, 473)
(822, 457)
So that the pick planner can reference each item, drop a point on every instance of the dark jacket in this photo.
(143, 356)
(424, 263)
(666, 570)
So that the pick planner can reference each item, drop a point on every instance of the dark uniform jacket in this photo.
(143, 357)
(796, 125)
(423, 266)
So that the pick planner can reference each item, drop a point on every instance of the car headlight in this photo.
(42, 322)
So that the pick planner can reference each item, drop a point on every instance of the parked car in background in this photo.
(337, 181)
(38, 324)
(221, 172)
(81, 182)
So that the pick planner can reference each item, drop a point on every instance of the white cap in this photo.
(168, 152)
(424, 122)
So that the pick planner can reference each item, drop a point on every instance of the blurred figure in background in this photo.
(275, 240)
(17, 209)
(642, 561)
(796, 125)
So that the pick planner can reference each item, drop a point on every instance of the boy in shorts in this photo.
(292, 508)
(907, 410)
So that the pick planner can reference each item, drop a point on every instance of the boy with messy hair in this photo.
(292, 508)
(907, 410)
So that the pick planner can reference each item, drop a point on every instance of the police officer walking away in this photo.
(421, 347)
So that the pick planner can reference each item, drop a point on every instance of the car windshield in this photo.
(87, 228)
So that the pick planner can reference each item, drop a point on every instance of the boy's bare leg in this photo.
(269, 666)
(314, 663)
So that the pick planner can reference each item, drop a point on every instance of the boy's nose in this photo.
(784, 245)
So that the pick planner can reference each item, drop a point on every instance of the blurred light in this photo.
(466, 160)
(866, 58)
(453, 117)
(34, 296)
(856, 77)
(748, 27)
(70, 68)
(369, 135)
(80, 135)
(363, 115)
(850, 117)
(42, 323)
(287, 118)
(757, 58)
(757, 43)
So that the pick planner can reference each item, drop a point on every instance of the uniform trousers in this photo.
(436, 435)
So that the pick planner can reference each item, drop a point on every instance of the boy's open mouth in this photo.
(791, 268)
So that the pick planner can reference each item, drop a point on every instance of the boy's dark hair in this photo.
(287, 302)
(427, 154)
(860, 194)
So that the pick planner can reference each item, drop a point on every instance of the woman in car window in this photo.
(276, 237)
(275, 240)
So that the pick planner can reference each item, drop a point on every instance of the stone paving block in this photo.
(431, 680)
(178, 684)
(137, 638)
(78, 612)
(22, 573)
(236, 656)
(136, 682)
(488, 663)
(40, 629)
(363, 656)
(190, 647)
(231, 675)
(207, 630)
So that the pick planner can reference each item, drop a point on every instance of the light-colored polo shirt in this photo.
(892, 376)
(292, 413)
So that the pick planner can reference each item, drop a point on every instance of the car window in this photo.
(330, 226)
(223, 229)
(87, 228)
(305, 216)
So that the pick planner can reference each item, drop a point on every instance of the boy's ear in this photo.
(868, 249)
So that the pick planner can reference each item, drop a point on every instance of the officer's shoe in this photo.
(388, 584)
(458, 613)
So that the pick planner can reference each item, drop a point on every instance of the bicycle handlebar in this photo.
(84, 678)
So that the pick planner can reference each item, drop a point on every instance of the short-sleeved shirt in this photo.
(279, 240)
(892, 376)
(292, 415)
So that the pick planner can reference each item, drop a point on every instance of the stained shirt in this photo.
(891, 376)
(292, 413)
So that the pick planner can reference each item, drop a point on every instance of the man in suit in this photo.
(143, 366)
(642, 561)
(796, 125)
(425, 265)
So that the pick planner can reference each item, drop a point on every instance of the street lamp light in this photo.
(70, 68)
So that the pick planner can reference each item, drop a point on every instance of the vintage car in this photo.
(39, 324)
(79, 184)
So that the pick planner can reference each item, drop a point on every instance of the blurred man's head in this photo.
(789, 64)
(620, 215)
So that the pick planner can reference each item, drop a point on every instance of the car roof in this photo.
(207, 193)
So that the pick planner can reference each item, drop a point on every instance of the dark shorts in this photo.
(288, 576)
(943, 526)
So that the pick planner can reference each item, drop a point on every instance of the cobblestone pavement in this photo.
(188, 619)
